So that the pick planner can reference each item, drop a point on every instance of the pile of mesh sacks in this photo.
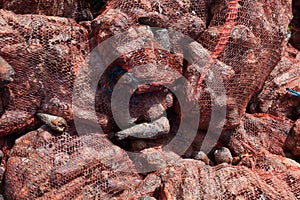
(60, 137)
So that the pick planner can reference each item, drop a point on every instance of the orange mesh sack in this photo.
(79, 10)
(260, 132)
(189, 179)
(232, 46)
(45, 53)
(43, 166)
(240, 44)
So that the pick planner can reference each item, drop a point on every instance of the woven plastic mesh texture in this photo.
(285, 75)
(66, 167)
(243, 36)
(90, 167)
(193, 181)
(260, 132)
(79, 10)
(143, 106)
(253, 42)
(246, 37)
(45, 53)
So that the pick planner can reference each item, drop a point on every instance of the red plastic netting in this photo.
(235, 44)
